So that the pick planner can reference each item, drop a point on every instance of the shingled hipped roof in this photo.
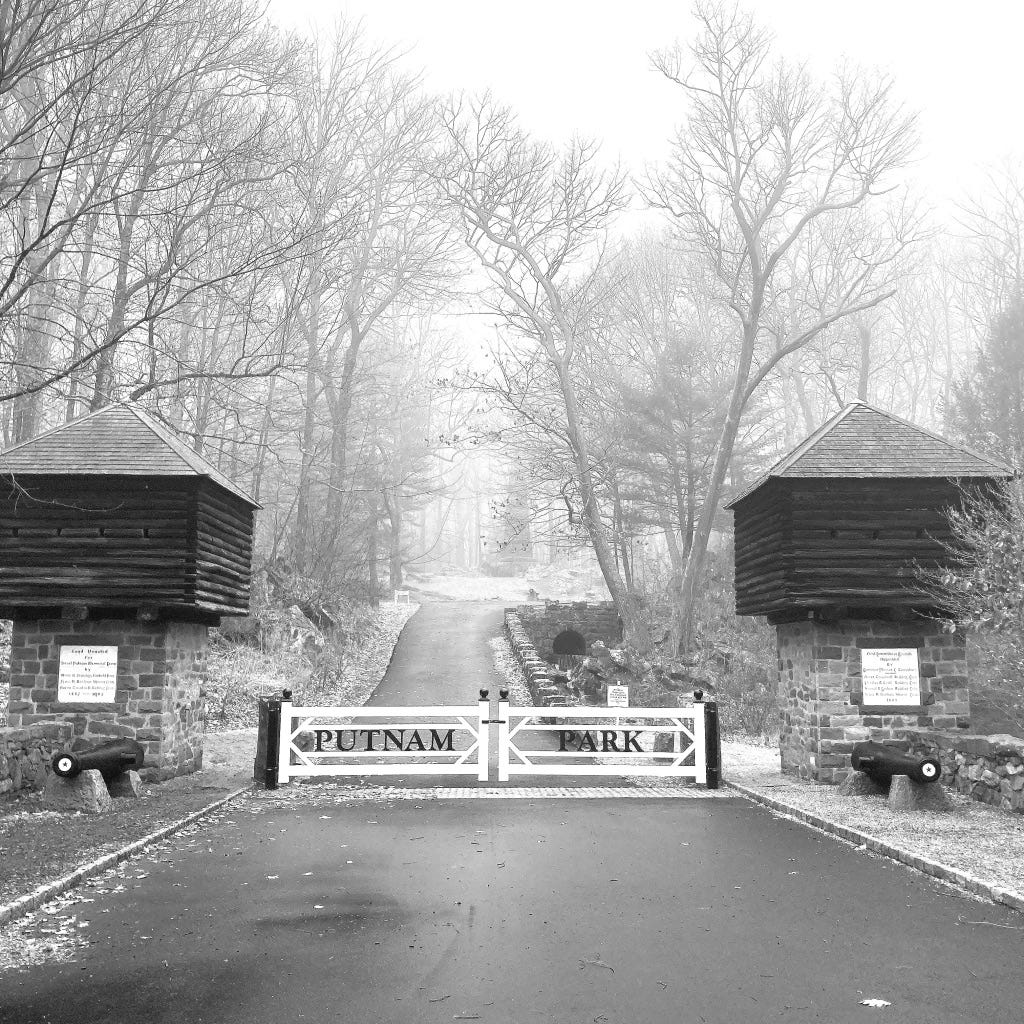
(865, 442)
(118, 440)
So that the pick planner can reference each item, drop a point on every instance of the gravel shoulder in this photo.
(38, 846)
(971, 838)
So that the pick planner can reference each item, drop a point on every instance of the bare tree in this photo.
(537, 221)
(771, 183)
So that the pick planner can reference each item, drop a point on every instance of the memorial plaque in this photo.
(890, 677)
(618, 696)
(87, 675)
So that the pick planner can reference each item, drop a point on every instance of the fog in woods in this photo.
(453, 349)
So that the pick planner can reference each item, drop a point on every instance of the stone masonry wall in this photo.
(159, 696)
(543, 689)
(594, 620)
(25, 755)
(820, 691)
(986, 768)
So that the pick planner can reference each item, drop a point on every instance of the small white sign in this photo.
(890, 676)
(618, 696)
(87, 675)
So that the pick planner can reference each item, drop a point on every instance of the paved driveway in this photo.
(615, 911)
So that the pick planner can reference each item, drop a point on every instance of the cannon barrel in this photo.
(882, 762)
(109, 759)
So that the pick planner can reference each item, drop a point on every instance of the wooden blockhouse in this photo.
(112, 512)
(838, 526)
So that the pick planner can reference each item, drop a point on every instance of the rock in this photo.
(907, 795)
(125, 784)
(859, 784)
(86, 792)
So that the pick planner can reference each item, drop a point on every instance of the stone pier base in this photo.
(820, 699)
(161, 670)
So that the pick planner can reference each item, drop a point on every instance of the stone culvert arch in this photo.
(555, 625)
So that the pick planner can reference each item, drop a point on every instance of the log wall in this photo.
(804, 544)
(174, 544)
(223, 551)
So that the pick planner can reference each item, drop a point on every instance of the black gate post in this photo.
(712, 744)
(264, 769)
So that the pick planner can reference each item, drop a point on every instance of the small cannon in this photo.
(110, 759)
(882, 762)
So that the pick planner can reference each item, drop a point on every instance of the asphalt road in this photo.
(297, 907)
(442, 656)
(615, 911)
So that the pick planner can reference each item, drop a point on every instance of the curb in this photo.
(933, 868)
(24, 904)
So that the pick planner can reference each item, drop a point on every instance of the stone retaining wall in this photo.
(593, 620)
(986, 768)
(25, 755)
(544, 690)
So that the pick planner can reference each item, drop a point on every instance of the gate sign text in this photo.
(890, 676)
(87, 675)
(367, 741)
(588, 742)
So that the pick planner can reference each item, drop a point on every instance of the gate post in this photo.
(284, 756)
(264, 768)
(503, 735)
(712, 744)
(483, 749)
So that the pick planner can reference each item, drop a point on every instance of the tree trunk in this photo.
(705, 522)
(864, 370)
(395, 555)
(372, 556)
(624, 600)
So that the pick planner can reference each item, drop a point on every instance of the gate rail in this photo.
(603, 741)
(410, 741)
(681, 742)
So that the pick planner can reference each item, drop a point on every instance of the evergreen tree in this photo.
(988, 402)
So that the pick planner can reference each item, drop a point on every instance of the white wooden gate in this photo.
(371, 741)
(307, 742)
(602, 741)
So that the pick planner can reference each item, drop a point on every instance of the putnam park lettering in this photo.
(609, 741)
(367, 741)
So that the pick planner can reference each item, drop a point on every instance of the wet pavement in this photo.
(310, 904)
(615, 911)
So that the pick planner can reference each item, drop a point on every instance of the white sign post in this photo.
(87, 675)
(618, 696)
(890, 677)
